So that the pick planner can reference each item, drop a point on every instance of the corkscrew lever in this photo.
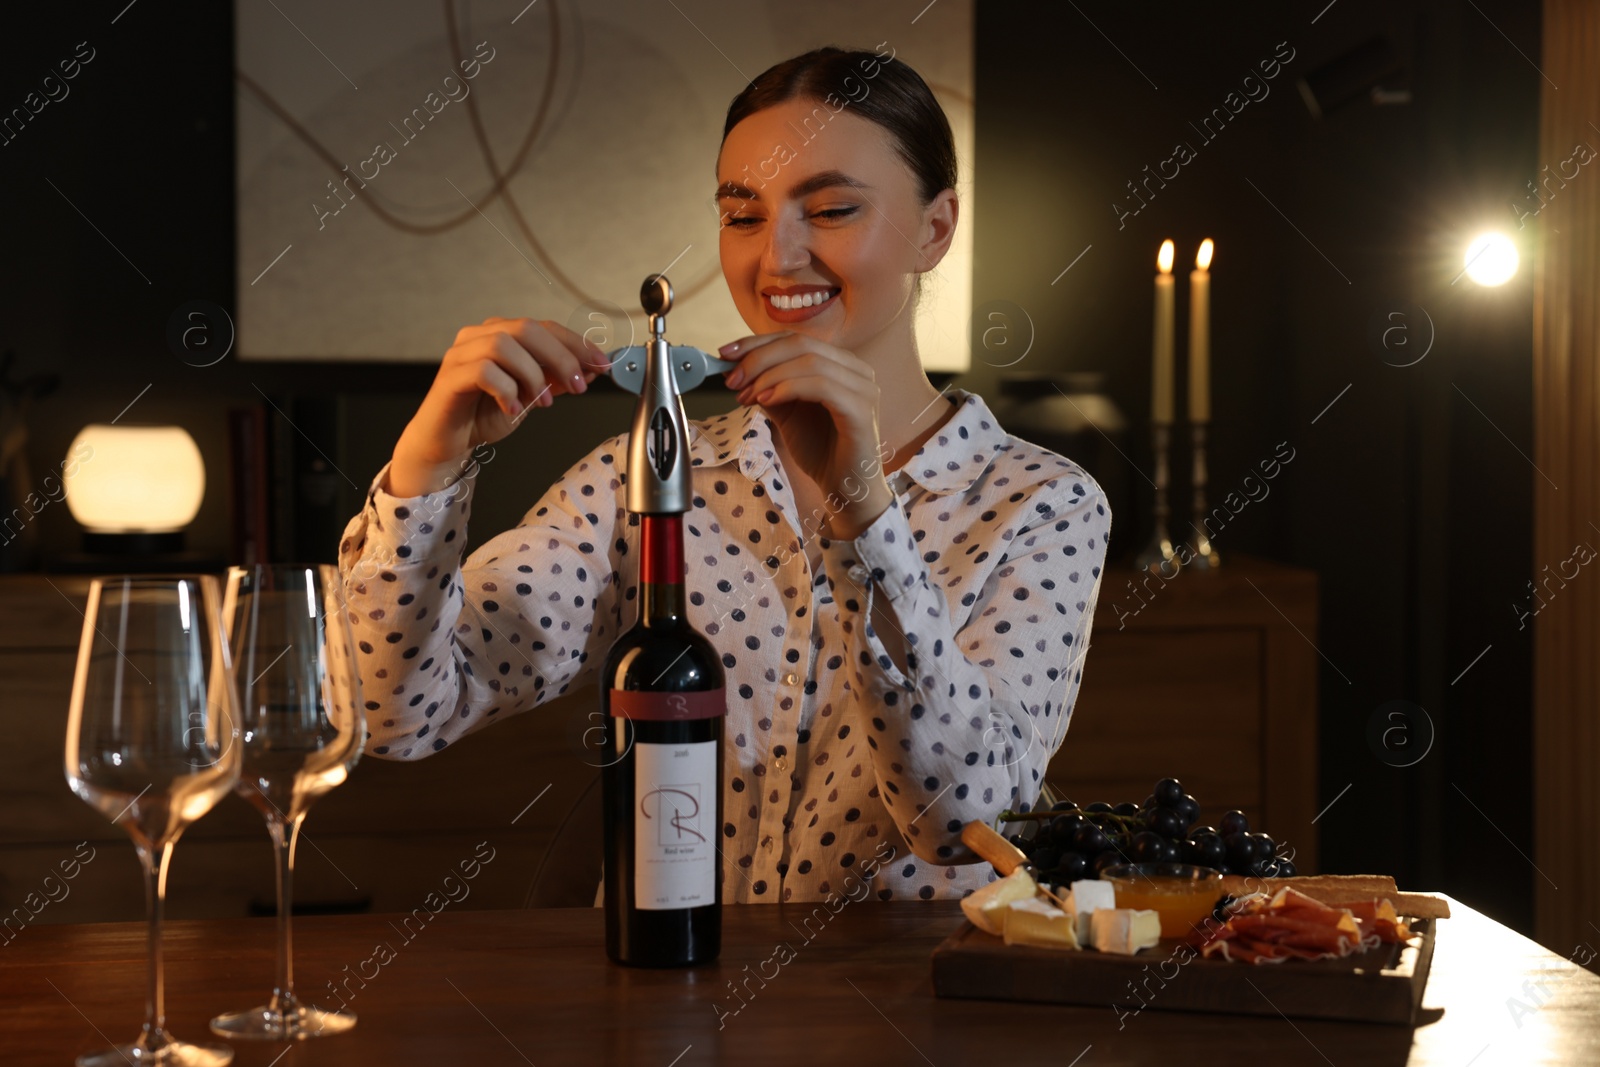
(690, 366)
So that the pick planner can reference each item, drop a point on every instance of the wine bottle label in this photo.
(668, 707)
(674, 845)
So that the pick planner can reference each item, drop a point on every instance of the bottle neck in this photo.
(661, 593)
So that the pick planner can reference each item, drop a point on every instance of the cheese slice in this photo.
(986, 907)
(1125, 931)
(1038, 922)
(1085, 898)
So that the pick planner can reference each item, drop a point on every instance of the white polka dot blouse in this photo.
(914, 679)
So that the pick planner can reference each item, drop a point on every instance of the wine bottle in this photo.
(662, 691)
(662, 694)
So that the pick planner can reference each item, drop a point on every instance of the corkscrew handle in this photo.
(690, 366)
(658, 443)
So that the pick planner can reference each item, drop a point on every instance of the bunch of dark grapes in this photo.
(1080, 842)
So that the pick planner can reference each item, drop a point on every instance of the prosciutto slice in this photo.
(1291, 925)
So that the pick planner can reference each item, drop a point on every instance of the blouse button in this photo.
(781, 763)
(858, 573)
(791, 678)
(766, 842)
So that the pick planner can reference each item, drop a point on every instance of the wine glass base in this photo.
(171, 1054)
(266, 1024)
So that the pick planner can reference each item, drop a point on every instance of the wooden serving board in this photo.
(1383, 984)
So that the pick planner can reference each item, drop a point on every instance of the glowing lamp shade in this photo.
(134, 479)
(1491, 259)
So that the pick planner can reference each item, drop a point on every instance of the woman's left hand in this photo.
(824, 401)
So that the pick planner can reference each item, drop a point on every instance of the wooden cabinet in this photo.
(383, 841)
(1210, 677)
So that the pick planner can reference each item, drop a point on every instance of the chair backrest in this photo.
(570, 870)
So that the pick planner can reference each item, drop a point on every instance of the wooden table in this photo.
(514, 987)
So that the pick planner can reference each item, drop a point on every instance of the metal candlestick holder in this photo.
(1205, 557)
(1159, 550)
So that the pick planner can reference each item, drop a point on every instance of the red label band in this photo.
(668, 707)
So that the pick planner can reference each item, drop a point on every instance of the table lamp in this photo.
(133, 489)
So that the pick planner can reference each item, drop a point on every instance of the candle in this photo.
(1200, 335)
(1161, 402)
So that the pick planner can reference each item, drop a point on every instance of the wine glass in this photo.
(302, 730)
(153, 743)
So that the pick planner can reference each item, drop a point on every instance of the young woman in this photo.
(902, 592)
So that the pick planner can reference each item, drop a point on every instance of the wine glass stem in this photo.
(285, 835)
(154, 860)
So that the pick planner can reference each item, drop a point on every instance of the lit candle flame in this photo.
(1202, 258)
(1164, 260)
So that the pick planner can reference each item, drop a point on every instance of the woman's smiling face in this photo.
(836, 217)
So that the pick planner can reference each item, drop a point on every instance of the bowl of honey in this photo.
(1181, 893)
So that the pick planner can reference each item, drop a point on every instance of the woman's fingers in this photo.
(791, 347)
(494, 380)
(560, 365)
(774, 363)
(492, 324)
(569, 362)
(590, 355)
(824, 401)
(738, 348)
(485, 384)
(503, 351)
(768, 346)
(848, 402)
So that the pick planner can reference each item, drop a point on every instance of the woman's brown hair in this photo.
(896, 98)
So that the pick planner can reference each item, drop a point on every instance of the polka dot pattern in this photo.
(882, 692)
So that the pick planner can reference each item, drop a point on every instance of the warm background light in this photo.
(1164, 259)
(1491, 259)
(134, 479)
(1202, 258)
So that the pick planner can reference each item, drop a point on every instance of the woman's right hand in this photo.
(487, 381)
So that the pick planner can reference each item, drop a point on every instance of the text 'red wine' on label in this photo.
(674, 853)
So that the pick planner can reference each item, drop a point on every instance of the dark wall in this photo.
(1410, 496)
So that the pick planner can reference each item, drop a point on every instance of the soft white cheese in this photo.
(1038, 922)
(1085, 898)
(986, 907)
(1125, 931)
